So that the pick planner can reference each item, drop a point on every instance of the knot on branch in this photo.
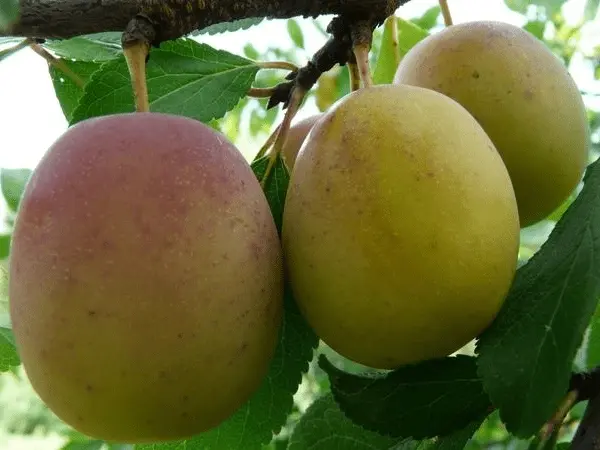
(346, 32)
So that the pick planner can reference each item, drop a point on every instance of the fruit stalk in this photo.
(354, 76)
(136, 41)
(55, 62)
(446, 12)
(296, 98)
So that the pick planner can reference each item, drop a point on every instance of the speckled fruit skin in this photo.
(296, 137)
(521, 94)
(145, 278)
(401, 228)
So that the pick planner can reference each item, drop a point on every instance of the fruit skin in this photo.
(400, 227)
(296, 137)
(521, 94)
(145, 278)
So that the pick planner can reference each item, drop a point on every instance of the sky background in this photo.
(31, 118)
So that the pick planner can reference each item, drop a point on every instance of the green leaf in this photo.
(83, 445)
(4, 245)
(9, 13)
(8, 350)
(453, 441)
(325, 427)
(223, 27)
(389, 56)
(266, 412)
(295, 33)
(536, 28)
(428, 399)
(184, 78)
(519, 6)
(13, 183)
(429, 18)
(526, 355)
(276, 187)
(409, 35)
(593, 348)
(68, 91)
(96, 47)
(591, 9)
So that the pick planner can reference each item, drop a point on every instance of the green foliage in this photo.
(526, 355)
(9, 13)
(90, 48)
(67, 89)
(4, 245)
(295, 33)
(183, 78)
(591, 9)
(8, 352)
(325, 427)
(217, 28)
(390, 52)
(13, 183)
(433, 398)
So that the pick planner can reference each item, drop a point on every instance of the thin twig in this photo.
(57, 63)
(446, 12)
(277, 65)
(260, 92)
(269, 142)
(558, 418)
(296, 97)
(14, 49)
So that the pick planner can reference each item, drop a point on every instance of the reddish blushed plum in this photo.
(145, 278)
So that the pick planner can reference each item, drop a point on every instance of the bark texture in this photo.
(174, 18)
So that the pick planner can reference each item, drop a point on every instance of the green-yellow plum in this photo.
(401, 227)
(523, 97)
(296, 137)
(145, 278)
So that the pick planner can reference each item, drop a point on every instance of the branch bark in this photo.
(588, 432)
(62, 19)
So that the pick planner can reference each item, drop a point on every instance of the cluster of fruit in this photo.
(147, 273)
(402, 220)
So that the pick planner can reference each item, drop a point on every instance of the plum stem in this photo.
(57, 63)
(558, 418)
(269, 142)
(135, 55)
(354, 76)
(392, 24)
(260, 92)
(296, 97)
(362, 61)
(446, 12)
(285, 65)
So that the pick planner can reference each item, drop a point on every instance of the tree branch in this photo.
(61, 19)
(588, 432)
(587, 386)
